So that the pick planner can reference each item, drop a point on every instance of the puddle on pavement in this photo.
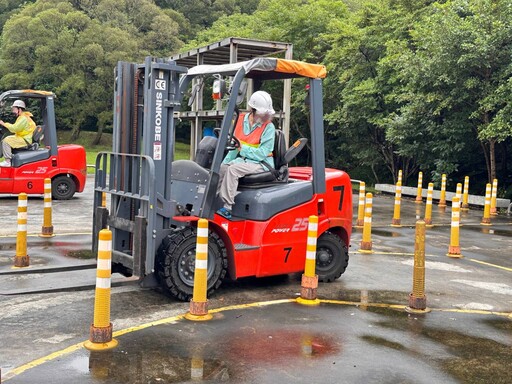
(185, 357)
(490, 231)
(471, 359)
(82, 254)
(155, 367)
(476, 360)
(366, 296)
(380, 341)
(381, 232)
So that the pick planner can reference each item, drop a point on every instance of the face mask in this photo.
(260, 118)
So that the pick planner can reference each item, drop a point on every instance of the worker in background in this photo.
(256, 134)
(22, 129)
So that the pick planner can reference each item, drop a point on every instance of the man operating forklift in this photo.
(22, 129)
(256, 134)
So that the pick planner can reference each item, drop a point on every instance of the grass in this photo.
(368, 188)
(182, 150)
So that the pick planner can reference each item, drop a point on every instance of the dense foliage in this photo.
(412, 84)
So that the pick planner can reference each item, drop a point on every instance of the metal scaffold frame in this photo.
(227, 51)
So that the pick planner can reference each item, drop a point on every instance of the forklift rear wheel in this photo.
(176, 262)
(63, 188)
(331, 257)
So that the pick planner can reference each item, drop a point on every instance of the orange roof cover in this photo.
(301, 68)
(44, 93)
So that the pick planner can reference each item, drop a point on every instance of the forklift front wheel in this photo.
(63, 188)
(176, 262)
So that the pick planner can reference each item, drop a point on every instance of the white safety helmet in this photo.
(262, 103)
(19, 104)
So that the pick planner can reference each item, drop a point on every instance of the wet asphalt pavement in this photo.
(359, 334)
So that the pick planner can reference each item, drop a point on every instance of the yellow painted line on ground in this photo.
(402, 307)
(174, 319)
(171, 320)
(395, 253)
(473, 311)
(491, 265)
(34, 363)
(56, 234)
(68, 234)
(428, 255)
(412, 225)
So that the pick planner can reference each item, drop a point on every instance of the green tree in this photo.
(364, 87)
(201, 14)
(71, 48)
(9, 8)
(459, 82)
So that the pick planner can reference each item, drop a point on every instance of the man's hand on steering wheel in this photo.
(232, 143)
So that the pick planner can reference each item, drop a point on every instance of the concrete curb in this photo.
(412, 191)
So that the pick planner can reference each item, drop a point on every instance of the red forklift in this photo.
(65, 165)
(157, 200)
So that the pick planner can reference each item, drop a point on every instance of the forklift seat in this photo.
(282, 157)
(37, 136)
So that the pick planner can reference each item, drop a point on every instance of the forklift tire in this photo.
(63, 188)
(176, 258)
(331, 257)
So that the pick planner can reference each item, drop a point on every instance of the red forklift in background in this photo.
(156, 200)
(65, 164)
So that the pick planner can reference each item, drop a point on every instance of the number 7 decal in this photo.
(340, 188)
(287, 250)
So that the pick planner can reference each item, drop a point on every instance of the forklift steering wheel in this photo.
(233, 142)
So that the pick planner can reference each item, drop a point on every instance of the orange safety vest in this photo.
(253, 139)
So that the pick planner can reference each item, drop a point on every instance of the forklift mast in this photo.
(137, 171)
